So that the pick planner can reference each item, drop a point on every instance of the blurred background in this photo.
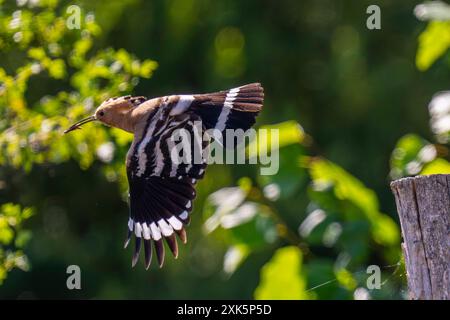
(352, 106)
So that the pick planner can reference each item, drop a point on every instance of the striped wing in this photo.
(162, 186)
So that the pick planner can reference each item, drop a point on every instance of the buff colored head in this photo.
(113, 112)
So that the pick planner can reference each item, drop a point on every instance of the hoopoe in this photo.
(161, 191)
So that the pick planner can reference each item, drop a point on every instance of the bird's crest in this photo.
(133, 101)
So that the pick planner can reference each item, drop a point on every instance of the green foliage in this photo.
(410, 155)
(247, 226)
(336, 191)
(413, 154)
(313, 226)
(31, 132)
(343, 215)
(41, 49)
(289, 136)
(13, 238)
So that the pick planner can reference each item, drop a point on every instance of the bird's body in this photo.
(161, 189)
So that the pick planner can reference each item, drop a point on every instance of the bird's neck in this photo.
(125, 121)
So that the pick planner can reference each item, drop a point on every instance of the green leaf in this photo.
(274, 137)
(346, 279)
(37, 53)
(433, 43)
(57, 69)
(437, 166)
(282, 277)
(6, 234)
(147, 68)
(339, 192)
(345, 186)
(385, 230)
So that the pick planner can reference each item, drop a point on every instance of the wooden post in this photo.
(423, 205)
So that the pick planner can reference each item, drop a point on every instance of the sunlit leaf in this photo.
(275, 136)
(37, 53)
(346, 187)
(437, 166)
(147, 68)
(346, 279)
(282, 276)
(57, 69)
(433, 43)
(6, 235)
(385, 230)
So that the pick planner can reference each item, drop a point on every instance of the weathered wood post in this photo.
(423, 205)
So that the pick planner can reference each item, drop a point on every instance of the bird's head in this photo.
(113, 112)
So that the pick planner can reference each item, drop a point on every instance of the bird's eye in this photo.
(101, 113)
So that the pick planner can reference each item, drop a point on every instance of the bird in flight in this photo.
(161, 190)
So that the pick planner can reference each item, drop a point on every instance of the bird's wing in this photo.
(162, 180)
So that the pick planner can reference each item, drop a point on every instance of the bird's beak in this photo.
(80, 123)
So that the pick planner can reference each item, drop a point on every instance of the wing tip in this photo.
(171, 242)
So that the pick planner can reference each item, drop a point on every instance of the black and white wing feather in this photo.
(162, 188)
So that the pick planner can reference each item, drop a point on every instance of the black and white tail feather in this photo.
(162, 190)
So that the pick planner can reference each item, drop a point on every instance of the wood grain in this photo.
(423, 206)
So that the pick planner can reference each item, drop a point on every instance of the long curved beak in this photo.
(80, 123)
